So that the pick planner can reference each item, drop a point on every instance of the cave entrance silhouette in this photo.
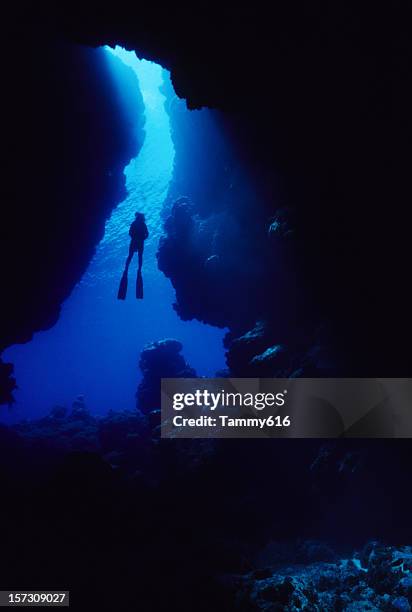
(94, 347)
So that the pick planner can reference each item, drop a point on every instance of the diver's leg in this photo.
(121, 295)
(140, 255)
(139, 279)
(129, 258)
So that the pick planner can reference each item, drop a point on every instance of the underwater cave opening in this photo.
(94, 348)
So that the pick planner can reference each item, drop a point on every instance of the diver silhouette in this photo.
(138, 233)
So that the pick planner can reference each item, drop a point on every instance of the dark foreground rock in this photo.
(104, 499)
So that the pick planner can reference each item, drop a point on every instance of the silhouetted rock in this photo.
(7, 383)
(188, 256)
(161, 359)
(66, 140)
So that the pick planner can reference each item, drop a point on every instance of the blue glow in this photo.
(95, 346)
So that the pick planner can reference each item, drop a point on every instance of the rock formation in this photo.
(65, 142)
(161, 359)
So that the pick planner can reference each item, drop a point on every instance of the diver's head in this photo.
(139, 216)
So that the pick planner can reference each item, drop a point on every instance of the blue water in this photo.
(95, 346)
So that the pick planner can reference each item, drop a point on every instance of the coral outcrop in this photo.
(377, 578)
(161, 359)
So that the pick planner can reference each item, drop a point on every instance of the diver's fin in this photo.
(121, 295)
(139, 286)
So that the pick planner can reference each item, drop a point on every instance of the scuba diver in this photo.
(138, 233)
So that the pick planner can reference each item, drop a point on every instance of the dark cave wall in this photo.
(291, 202)
(327, 172)
(66, 139)
(230, 244)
